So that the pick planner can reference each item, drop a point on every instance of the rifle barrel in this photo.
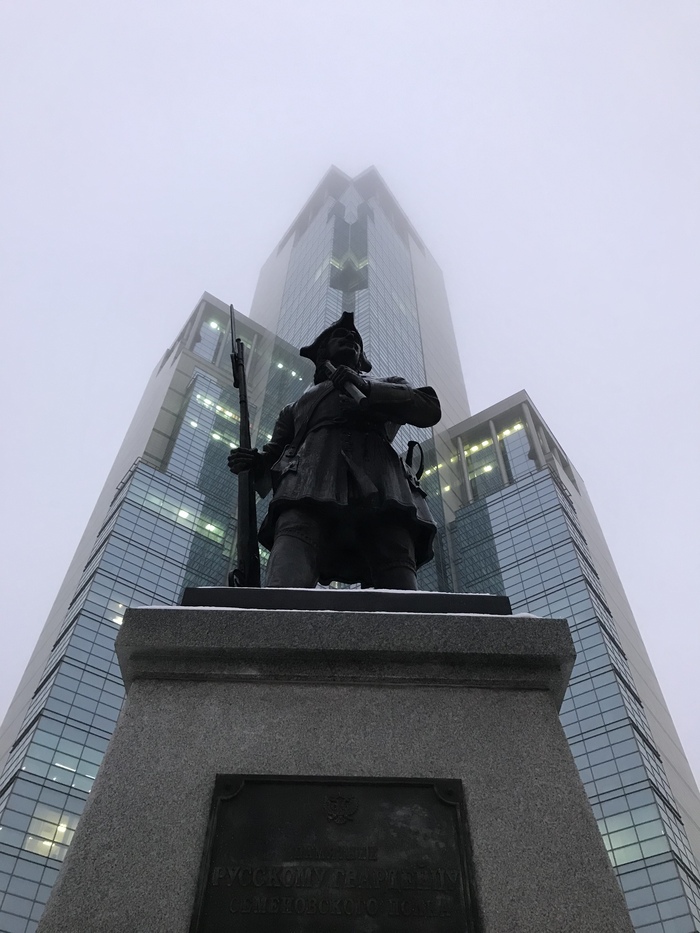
(247, 571)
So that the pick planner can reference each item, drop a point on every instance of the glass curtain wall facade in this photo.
(352, 248)
(165, 523)
(526, 530)
(513, 518)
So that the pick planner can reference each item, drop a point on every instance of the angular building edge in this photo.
(513, 518)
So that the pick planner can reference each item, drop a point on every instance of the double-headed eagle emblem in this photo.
(340, 809)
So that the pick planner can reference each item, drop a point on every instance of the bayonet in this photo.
(247, 570)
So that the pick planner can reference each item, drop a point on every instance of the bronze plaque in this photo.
(318, 854)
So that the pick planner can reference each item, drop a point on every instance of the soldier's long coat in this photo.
(329, 456)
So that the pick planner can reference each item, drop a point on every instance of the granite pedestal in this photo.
(380, 695)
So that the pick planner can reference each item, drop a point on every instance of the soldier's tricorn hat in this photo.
(347, 320)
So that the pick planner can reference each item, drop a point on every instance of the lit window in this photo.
(50, 831)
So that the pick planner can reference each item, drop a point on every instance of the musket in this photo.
(247, 570)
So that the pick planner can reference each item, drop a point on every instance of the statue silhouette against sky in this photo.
(345, 506)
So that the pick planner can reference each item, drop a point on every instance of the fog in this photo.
(547, 153)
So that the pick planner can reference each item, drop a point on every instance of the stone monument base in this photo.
(450, 715)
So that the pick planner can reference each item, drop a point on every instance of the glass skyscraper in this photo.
(164, 521)
(513, 518)
(523, 525)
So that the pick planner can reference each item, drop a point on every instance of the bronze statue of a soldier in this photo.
(345, 505)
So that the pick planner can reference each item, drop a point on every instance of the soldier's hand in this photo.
(243, 459)
(344, 375)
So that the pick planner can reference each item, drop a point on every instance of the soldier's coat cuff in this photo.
(389, 393)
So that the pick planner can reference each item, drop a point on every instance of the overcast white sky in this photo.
(548, 153)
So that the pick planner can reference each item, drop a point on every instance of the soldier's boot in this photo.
(294, 557)
(395, 578)
(391, 556)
